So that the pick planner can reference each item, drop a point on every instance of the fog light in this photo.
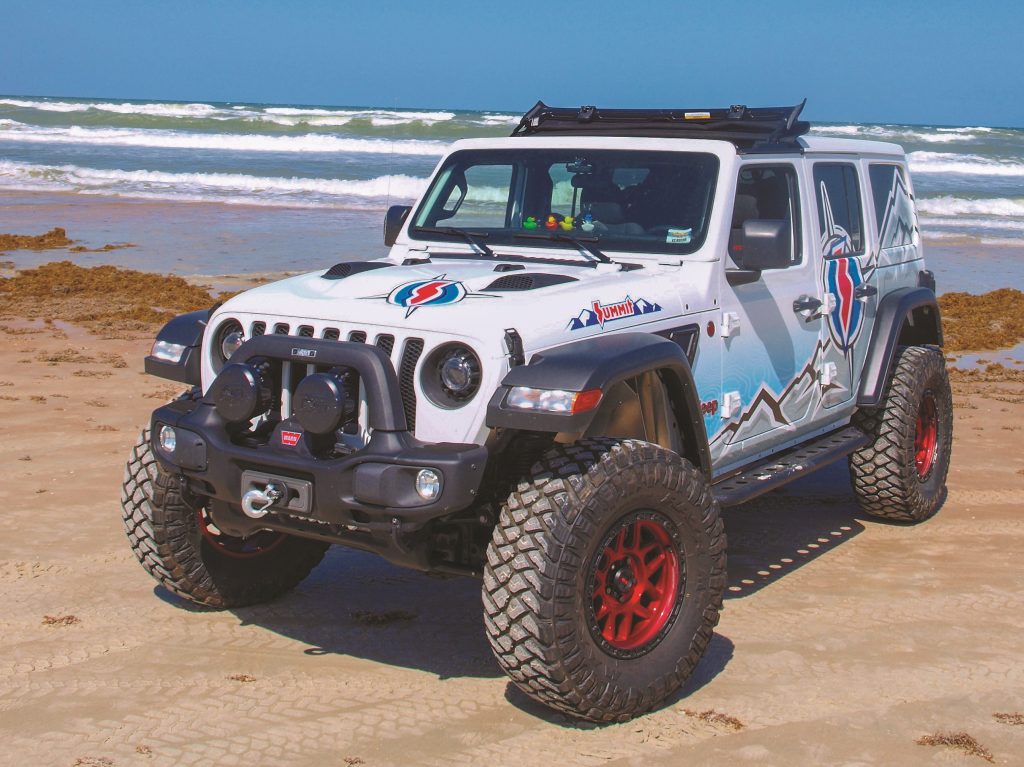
(428, 484)
(168, 439)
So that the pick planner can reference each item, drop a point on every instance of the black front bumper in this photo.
(369, 491)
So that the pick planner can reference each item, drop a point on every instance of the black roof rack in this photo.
(749, 128)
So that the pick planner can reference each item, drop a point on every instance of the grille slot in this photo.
(281, 329)
(306, 331)
(258, 328)
(357, 337)
(407, 379)
(386, 344)
(332, 334)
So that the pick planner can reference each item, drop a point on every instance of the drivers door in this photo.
(769, 379)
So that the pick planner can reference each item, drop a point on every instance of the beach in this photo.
(844, 640)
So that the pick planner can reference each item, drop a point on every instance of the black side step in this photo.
(776, 471)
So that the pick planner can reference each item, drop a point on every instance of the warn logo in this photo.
(598, 314)
(290, 438)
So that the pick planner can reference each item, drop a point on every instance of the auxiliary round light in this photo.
(168, 439)
(428, 484)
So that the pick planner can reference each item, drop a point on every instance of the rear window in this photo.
(894, 207)
(840, 215)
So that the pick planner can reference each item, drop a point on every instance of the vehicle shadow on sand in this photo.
(776, 534)
(357, 604)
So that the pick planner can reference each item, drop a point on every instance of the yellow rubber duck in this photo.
(566, 223)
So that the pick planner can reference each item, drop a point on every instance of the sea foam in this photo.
(963, 164)
(221, 187)
(166, 139)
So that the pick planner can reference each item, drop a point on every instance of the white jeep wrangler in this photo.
(587, 338)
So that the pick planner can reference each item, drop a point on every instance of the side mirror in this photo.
(762, 244)
(394, 220)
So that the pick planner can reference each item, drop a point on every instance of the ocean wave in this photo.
(124, 108)
(219, 187)
(963, 224)
(959, 206)
(963, 164)
(166, 139)
(900, 133)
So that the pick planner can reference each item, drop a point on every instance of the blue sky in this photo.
(938, 62)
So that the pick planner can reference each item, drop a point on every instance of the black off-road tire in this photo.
(890, 477)
(538, 588)
(164, 532)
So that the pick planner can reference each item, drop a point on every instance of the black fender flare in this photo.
(598, 363)
(906, 316)
(185, 330)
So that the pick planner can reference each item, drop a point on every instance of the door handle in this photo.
(864, 290)
(806, 304)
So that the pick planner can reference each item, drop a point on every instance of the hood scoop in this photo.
(348, 268)
(530, 281)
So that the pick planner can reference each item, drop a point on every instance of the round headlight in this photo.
(229, 337)
(457, 373)
(231, 343)
(451, 376)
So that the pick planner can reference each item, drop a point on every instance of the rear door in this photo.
(848, 290)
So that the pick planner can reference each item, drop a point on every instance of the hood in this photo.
(546, 303)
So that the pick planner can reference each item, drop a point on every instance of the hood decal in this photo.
(599, 314)
(434, 292)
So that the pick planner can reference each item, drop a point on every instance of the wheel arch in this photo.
(905, 317)
(607, 362)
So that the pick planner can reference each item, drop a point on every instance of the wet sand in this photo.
(207, 239)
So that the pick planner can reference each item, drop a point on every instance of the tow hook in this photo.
(256, 503)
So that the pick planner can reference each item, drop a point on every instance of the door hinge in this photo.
(731, 404)
(828, 374)
(730, 324)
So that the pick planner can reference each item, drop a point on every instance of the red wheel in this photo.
(635, 585)
(926, 435)
(255, 545)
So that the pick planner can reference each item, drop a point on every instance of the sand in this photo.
(843, 641)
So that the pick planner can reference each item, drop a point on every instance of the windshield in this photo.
(641, 202)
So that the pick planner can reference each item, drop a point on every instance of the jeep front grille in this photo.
(405, 354)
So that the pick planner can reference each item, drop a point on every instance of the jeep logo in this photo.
(307, 353)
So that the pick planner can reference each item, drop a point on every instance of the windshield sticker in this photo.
(598, 313)
(436, 292)
(679, 236)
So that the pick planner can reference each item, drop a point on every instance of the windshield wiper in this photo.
(473, 239)
(579, 242)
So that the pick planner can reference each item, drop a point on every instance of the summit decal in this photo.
(598, 314)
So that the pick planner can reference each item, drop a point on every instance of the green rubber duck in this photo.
(530, 223)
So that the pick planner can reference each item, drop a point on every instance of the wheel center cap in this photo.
(623, 580)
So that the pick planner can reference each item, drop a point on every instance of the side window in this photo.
(767, 192)
(894, 207)
(840, 215)
(478, 197)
